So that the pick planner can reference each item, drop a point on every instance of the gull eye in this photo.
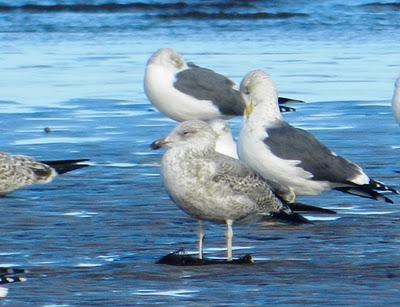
(176, 61)
(186, 132)
(246, 90)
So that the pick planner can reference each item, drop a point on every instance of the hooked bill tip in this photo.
(156, 144)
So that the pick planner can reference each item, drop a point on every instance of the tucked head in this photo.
(257, 88)
(168, 58)
(257, 84)
(193, 133)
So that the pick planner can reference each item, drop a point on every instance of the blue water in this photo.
(92, 236)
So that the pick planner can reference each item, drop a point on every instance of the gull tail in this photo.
(299, 207)
(291, 218)
(65, 166)
(284, 100)
(365, 191)
(285, 109)
(10, 275)
(380, 186)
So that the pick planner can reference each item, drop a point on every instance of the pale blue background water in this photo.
(92, 237)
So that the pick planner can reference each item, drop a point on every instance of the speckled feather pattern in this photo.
(19, 171)
(215, 187)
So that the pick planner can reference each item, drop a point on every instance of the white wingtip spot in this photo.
(3, 292)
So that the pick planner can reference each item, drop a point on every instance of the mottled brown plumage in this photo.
(210, 186)
(20, 171)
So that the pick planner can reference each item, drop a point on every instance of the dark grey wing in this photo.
(281, 100)
(292, 143)
(205, 84)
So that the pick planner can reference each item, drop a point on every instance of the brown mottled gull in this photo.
(210, 186)
(20, 171)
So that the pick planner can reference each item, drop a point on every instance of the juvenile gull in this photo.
(184, 91)
(20, 171)
(396, 100)
(292, 156)
(210, 186)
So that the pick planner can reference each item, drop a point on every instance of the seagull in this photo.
(17, 171)
(10, 275)
(210, 186)
(185, 91)
(292, 156)
(396, 100)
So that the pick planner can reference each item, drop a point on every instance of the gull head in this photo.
(220, 127)
(257, 88)
(168, 58)
(194, 134)
(397, 83)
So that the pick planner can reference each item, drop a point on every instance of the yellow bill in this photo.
(249, 109)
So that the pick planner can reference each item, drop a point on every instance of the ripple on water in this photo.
(324, 115)
(151, 174)
(9, 265)
(10, 253)
(109, 258)
(59, 140)
(88, 264)
(119, 165)
(80, 213)
(374, 104)
(10, 107)
(41, 129)
(353, 212)
(102, 114)
(311, 128)
(174, 293)
(321, 218)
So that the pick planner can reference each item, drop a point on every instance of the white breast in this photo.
(167, 99)
(396, 104)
